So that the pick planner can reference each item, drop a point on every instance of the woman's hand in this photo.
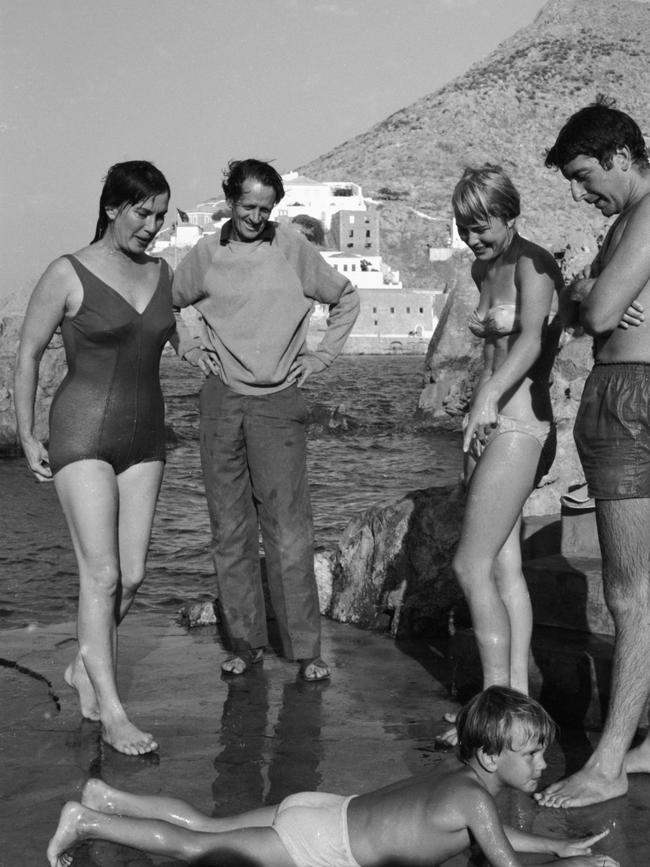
(37, 460)
(482, 418)
(632, 316)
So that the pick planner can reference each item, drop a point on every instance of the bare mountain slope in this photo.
(508, 109)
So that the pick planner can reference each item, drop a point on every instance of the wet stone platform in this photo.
(230, 745)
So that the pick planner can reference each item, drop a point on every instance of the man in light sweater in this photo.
(254, 284)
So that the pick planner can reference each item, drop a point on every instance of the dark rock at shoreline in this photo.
(392, 569)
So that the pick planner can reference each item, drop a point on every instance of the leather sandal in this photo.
(315, 669)
(239, 663)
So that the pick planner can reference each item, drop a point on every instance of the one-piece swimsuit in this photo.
(110, 405)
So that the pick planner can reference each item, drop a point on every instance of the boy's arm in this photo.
(485, 827)
(522, 841)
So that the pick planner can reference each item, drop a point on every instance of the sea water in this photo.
(366, 448)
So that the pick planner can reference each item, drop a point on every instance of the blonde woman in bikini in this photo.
(509, 435)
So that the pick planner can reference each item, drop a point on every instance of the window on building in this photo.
(351, 219)
(353, 267)
(408, 309)
(367, 233)
(345, 267)
(421, 309)
(392, 309)
(376, 322)
(374, 309)
(351, 235)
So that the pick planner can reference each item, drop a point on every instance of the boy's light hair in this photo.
(485, 192)
(487, 722)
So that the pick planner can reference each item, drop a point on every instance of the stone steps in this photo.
(571, 649)
(569, 673)
(567, 592)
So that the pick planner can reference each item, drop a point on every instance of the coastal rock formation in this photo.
(392, 568)
(453, 359)
(52, 371)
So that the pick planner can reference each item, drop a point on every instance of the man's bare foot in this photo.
(67, 834)
(76, 677)
(314, 669)
(126, 738)
(637, 761)
(587, 786)
(98, 796)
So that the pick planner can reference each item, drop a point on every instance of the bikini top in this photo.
(502, 319)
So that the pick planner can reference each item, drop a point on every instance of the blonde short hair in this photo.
(485, 192)
(492, 717)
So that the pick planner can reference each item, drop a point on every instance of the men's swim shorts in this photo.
(612, 430)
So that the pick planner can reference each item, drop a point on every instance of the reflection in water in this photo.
(297, 749)
(257, 767)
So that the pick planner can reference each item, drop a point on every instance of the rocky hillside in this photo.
(508, 109)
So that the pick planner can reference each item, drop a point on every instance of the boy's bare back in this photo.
(421, 820)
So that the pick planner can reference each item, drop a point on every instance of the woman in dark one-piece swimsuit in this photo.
(106, 450)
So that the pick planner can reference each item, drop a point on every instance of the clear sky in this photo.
(190, 84)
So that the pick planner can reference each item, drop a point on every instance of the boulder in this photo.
(392, 570)
(453, 359)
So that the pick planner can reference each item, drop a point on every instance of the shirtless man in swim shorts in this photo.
(601, 152)
(421, 820)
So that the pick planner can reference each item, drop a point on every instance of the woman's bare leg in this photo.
(92, 497)
(513, 590)
(134, 533)
(504, 476)
(259, 845)
(98, 796)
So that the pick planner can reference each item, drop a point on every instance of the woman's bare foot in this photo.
(67, 834)
(76, 677)
(587, 786)
(126, 738)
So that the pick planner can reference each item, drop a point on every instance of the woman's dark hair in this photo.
(240, 171)
(126, 184)
(597, 130)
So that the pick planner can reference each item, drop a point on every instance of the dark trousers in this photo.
(253, 454)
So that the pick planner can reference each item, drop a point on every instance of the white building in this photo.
(319, 199)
